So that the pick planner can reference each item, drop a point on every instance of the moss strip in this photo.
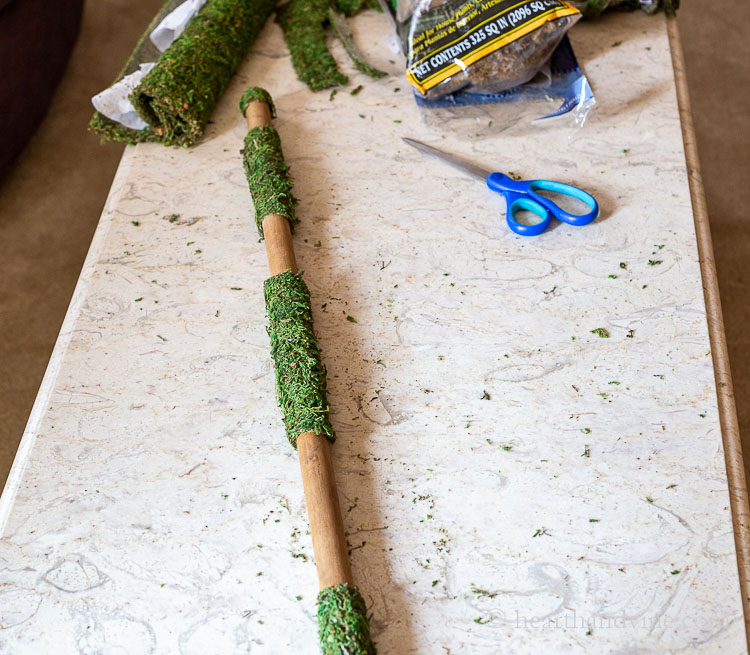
(178, 95)
(257, 94)
(268, 176)
(351, 7)
(341, 29)
(342, 622)
(303, 23)
(300, 374)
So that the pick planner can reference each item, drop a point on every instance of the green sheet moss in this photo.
(304, 24)
(342, 622)
(300, 374)
(177, 96)
(268, 176)
(257, 94)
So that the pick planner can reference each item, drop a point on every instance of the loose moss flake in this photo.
(342, 622)
(600, 332)
(300, 374)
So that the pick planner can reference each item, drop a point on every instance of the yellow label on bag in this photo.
(474, 29)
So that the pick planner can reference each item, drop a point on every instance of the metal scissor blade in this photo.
(451, 159)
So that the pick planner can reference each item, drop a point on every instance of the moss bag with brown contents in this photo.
(177, 96)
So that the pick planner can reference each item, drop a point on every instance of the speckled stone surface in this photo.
(510, 481)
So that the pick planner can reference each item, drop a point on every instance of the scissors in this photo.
(520, 195)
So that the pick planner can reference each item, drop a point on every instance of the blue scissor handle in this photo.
(521, 195)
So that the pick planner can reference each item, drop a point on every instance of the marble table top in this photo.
(510, 480)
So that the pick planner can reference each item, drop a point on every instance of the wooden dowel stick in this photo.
(324, 513)
(257, 113)
(278, 238)
(326, 526)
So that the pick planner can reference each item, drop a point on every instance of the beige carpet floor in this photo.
(49, 207)
(51, 202)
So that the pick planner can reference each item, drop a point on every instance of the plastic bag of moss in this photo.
(559, 98)
(486, 46)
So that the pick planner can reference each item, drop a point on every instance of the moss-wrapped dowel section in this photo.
(268, 175)
(177, 96)
(300, 374)
(342, 622)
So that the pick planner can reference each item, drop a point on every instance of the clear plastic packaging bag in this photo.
(479, 46)
(559, 94)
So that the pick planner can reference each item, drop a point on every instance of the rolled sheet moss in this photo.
(268, 176)
(304, 24)
(342, 622)
(177, 96)
(300, 374)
